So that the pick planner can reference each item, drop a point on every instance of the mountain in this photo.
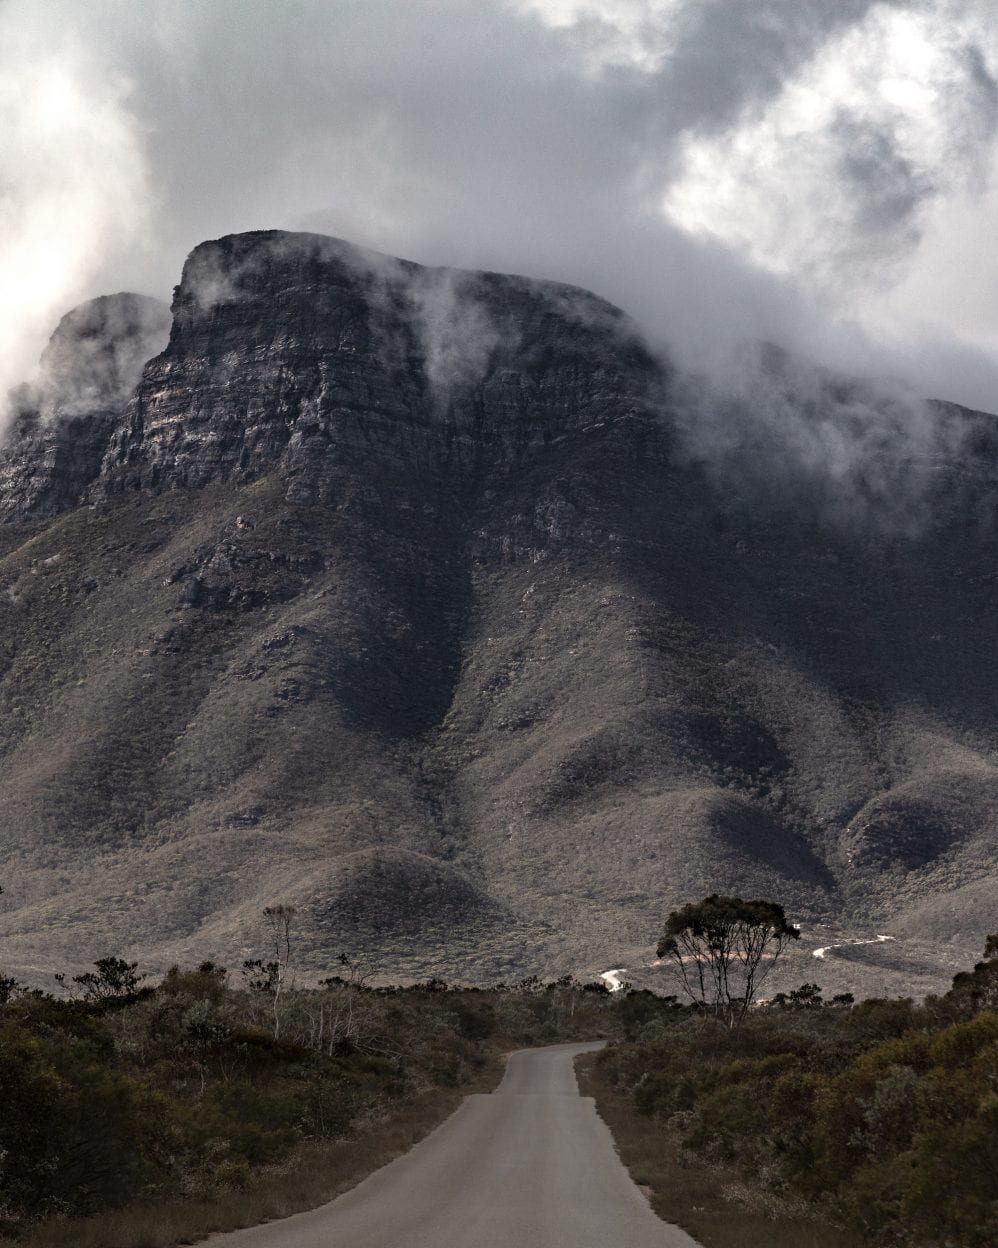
(436, 605)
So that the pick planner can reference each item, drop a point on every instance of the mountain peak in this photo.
(303, 355)
(63, 420)
(96, 353)
(401, 607)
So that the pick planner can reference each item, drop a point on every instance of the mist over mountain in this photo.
(438, 605)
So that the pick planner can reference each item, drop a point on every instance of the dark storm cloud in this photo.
(884, 187)
(729, 57)
(979, 86)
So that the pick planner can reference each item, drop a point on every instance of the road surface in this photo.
(529, 1166)
(843, 944)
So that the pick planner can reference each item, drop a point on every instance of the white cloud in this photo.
(818, 161)
(73, 188)
(832, 180)
(634, 33)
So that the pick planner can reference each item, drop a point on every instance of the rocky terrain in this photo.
(422, 601)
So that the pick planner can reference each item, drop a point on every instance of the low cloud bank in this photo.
(819, 176)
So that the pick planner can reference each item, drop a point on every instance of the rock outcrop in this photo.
(63, 422)
(307, 356)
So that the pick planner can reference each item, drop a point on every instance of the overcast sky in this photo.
(819, 172)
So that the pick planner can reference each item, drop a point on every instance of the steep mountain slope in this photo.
(400, 595)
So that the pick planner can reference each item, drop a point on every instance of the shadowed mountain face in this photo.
(405, 597)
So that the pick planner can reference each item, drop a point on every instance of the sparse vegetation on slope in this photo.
(481, 679)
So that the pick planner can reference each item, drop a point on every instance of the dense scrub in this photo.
(881, 1116)
(131, 1093)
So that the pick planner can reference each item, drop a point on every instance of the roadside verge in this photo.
(713, 1204)
(312, 1176)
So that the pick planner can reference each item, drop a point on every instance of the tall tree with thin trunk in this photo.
(723, 947)
(279, 920)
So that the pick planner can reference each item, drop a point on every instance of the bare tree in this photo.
(279, 921)
(339, 1017)
(8, 985)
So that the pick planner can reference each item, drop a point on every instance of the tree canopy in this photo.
(723, 947)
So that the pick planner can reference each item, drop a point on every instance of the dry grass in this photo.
(317, 1173)
(716, 1206)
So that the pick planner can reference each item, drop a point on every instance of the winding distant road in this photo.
(848, 944)
(529, 1166)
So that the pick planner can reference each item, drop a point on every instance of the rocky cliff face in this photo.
(304, 355)
(63, 422)
(403, 596)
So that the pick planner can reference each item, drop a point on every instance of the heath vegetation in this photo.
(144, 1115)
(830, 1124)
(136, 1114)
